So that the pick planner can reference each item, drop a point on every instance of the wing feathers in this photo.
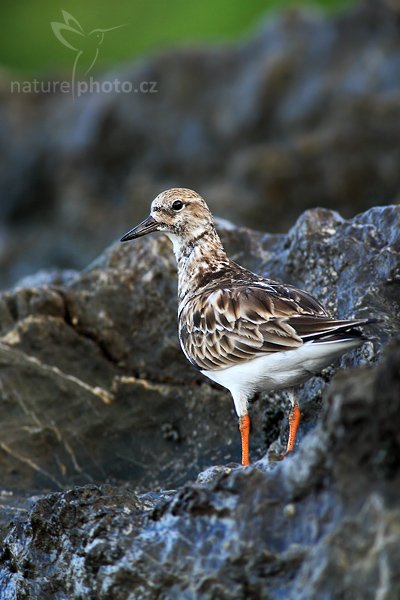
(225, 326)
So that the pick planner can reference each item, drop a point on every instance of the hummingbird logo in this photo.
(85, 45)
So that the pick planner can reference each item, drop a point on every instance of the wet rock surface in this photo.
(95, 391)
(304, 113)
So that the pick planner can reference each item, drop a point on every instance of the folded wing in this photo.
(222, 327)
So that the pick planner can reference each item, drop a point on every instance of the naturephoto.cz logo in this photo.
(86, 48)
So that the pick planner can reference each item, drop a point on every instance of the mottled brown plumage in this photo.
(242, 330)
(225, 325)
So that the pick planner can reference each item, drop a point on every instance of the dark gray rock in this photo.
(324, 523)
(94, 385)
(96, 388)
(304, 113)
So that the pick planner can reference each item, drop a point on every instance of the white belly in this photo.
(279, 370)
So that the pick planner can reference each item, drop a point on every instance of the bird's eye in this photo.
(177, 205)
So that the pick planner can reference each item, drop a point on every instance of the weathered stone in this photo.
(96, 388)
(324, 523)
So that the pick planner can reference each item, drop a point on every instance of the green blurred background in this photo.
(28, 45)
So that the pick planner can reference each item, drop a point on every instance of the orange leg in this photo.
(244, 427)
(294, 420)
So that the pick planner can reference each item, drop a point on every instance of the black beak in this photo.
(147, 226)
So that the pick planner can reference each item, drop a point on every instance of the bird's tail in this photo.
(327, 330)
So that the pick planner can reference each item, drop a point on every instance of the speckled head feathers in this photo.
(181, 212)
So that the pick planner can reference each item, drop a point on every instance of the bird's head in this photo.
(180, 213)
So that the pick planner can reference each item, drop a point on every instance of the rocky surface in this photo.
(323, 524)
(303, 113)
(91, 368)
(95, 391)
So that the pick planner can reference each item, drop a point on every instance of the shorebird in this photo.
(243, 331)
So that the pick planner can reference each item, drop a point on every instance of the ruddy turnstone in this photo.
(246, 332)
